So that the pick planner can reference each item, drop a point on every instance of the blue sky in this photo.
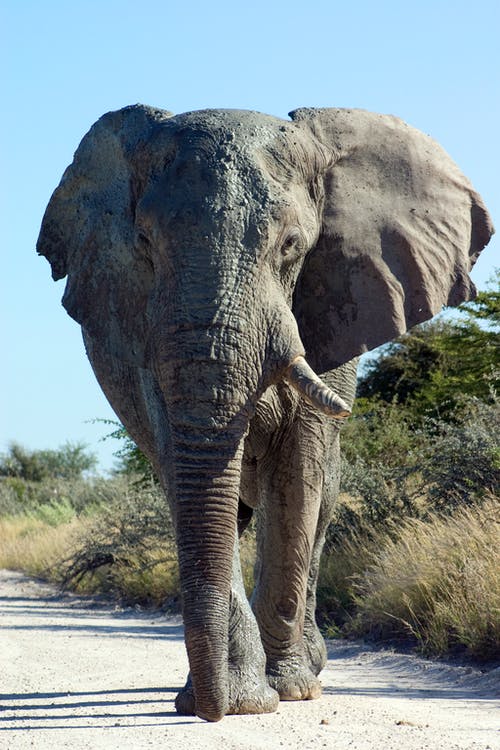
(434, 63)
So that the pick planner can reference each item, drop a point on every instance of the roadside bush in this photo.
(461, 464)
(439, 466)
(447, 467)
(437, 581)
(22, 497)
(97, 535)
(70, 461)
(127, 548)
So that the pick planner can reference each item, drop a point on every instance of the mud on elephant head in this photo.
(215, 254)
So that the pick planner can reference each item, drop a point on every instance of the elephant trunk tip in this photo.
(211, 716)
(305, 381)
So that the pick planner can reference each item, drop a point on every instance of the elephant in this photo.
(227, 269)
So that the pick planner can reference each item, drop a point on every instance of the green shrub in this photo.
(461, 463)
(430, 368)
(439, 466)
(19, 496)
(127, 548)
(131, 461)
(70, 461)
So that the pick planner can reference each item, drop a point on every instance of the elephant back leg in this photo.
(343, 381)
(290, 484)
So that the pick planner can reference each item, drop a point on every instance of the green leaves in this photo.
(430, 369)
(131, 460)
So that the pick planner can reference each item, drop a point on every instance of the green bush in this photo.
(461, 463)
(127, 548)
(70, 461)
(430, 368)
(396, 471)
(19, 496)
(131, 461)
(393, 475)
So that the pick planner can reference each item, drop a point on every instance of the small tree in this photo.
(131, 460)
(429, 369)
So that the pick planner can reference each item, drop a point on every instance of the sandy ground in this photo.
(77, 673)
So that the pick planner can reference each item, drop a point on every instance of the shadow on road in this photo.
(27, 711)
(84, 619)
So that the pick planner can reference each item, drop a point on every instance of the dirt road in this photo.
(76, 673)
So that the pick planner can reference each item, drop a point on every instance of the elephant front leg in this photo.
(249, 690)
(293, 483)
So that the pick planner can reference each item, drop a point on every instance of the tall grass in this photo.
(413, 551)
(96, 536)
(35, 545)
(435, 581)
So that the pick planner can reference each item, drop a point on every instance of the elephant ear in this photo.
(87, 232)
(401, 230)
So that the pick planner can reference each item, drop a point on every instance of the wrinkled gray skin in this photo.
(204, 252)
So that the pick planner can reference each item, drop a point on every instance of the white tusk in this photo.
(303, 378)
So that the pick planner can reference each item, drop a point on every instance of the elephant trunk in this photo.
(207, 482)
(207, 400)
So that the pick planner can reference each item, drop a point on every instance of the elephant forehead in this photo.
(220, 134)
(224, 171)
(211, 171)
(238, 122)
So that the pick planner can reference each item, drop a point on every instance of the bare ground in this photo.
(78, 673)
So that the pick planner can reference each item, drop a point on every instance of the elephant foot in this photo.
(184, 700)
(246, 696)
(293, 680)
(314, 647)
(251, 695)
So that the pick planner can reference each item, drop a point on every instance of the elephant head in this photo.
(217, 251)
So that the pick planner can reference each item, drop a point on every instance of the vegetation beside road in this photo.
(413, 550)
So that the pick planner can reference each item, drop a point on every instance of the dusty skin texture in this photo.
(77, 673)
(206, 254)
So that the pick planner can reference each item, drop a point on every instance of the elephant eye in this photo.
(292, 244)
(141, 239)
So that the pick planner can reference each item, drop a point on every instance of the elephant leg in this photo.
(343, 381)
(249, 690)
(292, 483)
(314, 643)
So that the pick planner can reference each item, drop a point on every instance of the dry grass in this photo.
(150, 579)
(35, 546)
(437, 580)
(348, 551)
(46, 551)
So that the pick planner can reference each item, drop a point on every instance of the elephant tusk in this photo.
(305, 381)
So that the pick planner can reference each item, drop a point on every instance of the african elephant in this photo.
(217, 261)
